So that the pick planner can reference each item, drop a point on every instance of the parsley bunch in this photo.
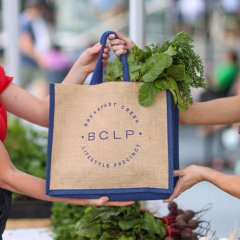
(172, 65)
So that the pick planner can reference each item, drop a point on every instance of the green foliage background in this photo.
(27, 148)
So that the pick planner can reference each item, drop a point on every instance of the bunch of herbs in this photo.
(172, 65)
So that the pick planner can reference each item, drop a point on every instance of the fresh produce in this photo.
(172, 65)
(124, 223)
(105, 223)
(185, 225)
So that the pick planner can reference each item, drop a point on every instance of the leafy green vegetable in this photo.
(172, 65)
(147, 94)
(154, 66)
(105, 223)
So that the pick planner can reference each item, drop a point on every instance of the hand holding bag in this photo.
(103, 143)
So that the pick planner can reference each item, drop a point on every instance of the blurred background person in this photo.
(224, 76)
(34, 41)
(57, 64)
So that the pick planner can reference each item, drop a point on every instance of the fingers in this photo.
(106, 55)
(97, 202)
(111, 37)
(106, 52)
(177, 191)
(122, 37)
(118, 46)
(116, 41)
(127, 41)
(119, 50)
(104, 201)
(119, 204)
(178, 173)
(95, 49)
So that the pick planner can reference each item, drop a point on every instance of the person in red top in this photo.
(215, 112)
(24, 105)
(4, 82)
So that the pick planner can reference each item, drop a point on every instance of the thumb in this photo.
(95, 49)
(103, 200)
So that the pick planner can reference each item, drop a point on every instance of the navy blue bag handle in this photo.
(98, 72)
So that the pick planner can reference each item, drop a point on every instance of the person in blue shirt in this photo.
(34, 42)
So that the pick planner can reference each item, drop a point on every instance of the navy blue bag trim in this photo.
(97, 77)
(120, 194)
(50, 135)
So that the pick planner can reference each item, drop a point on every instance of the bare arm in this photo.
(194, 174)
(26, 106)
(219, 111)
(17, 181)
(216, 112)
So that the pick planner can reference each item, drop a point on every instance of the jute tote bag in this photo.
(103, 143)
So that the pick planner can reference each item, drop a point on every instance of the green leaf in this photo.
(126, 224)
(90, 232)
(155, 66)
(171, 51)
(173, 87)
(114, 71)
(187, 78)
(149, 223)
(105, 236)
(177, 72)
(123, 237)
(147, 94)
(161, 84)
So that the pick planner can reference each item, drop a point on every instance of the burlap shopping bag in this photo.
(103, 143)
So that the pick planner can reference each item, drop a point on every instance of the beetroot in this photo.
(188, 234)
(185, 225)
(193, 224)
(172, 208)
(188, 215)
(173, 231)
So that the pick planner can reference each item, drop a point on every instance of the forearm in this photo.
(24, 105)
(215, 112)
(228, 183)
(25, 184)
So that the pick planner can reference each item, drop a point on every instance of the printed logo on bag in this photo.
(108, 134)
